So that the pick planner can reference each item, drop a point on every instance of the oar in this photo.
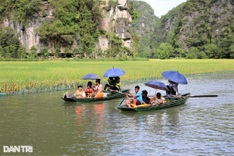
(122, 101)
(200, 96)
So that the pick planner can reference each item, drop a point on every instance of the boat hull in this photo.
(146, 107)
(110, 96)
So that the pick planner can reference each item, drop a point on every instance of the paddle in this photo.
(200, 96)
(122, 101)
(194, 96)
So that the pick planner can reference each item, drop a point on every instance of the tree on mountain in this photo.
(9, 43)
(164, 50)
(192, 53)
(232, 51)
(75, 22)
(212, 51)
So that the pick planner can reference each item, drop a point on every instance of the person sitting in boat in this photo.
(158, 99)
(89, 89)
(172, 88)
(78, 94)
(113, 84)
(145, 98)
(117, 82)
(97, 88)
(110, 83)
(136, 100)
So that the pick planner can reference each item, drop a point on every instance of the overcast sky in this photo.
(161, 7)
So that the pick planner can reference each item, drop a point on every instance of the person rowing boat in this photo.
(136, 100)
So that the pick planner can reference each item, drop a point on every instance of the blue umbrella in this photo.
(156, 85)
(114, 72)
(175, 76)
(91, 77)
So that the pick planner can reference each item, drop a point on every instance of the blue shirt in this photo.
(139, 96)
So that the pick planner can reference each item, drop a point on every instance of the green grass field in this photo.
(15, 76)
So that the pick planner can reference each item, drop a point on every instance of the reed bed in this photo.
(43, 76)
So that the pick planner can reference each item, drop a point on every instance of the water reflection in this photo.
(79, 114)
(88, 127)
(82, 112)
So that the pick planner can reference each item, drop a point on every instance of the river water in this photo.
(203, 126)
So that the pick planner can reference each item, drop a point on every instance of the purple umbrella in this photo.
(156, 85)
(175, 76)
(91, 77)
(114, 72)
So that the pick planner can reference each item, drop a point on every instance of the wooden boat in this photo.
(169, 102)
(109, 96)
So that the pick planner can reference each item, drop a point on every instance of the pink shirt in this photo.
(98, 88)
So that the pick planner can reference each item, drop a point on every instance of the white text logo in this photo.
(17, 149)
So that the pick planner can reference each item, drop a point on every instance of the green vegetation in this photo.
(195, 29)
(75, 22)
(164, 50)
(53, 75)
(9, 44)
(143, 25)
(72, 31)
(20, 10)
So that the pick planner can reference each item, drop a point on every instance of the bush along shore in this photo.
(15, 89)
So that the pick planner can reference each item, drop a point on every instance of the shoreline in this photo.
(47, 76)
(67, 88)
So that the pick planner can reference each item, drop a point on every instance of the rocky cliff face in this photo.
(28, 34)
(115, 19)
(209, 21)
(146, 21)
(144, 25)
(203, 25)
(204, 20)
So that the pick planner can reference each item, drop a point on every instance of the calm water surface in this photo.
(203, 126)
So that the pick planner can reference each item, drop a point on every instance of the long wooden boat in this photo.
(109, 96)
(170, 102)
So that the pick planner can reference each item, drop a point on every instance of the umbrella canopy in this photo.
(156, 85)
(91, 77)
(114, 72)
(175, 76)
